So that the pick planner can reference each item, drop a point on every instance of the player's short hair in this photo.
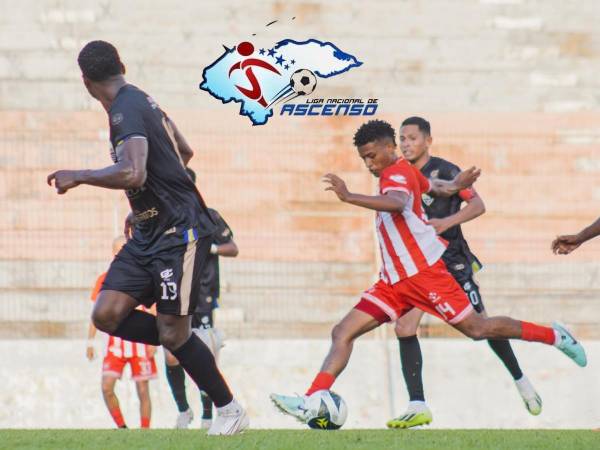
(424, 126)
(191, 174)
(372, 131)
(99, 60)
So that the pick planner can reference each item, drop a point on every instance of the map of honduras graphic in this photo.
(259, 78)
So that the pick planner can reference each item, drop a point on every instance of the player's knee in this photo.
(143, 391)
(477, 332)
(170, 360)
(104, 319)
(339, 333)
(171, 339)
(404, 329)
(108, 390)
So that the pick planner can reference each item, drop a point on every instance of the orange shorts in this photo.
(432, 290)
(141, 368)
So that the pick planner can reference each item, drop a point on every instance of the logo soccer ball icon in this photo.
(303, 82)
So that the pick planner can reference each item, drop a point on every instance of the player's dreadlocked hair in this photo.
(372, 131)
(99, 61)
(424, 126)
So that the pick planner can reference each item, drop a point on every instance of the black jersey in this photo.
(440, 207)
(209, 281)
(168, 208)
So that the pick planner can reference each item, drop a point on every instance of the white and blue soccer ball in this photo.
(325, 410)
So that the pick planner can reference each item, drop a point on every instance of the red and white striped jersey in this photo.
(408, 245)
(126, 349)
(117, 346)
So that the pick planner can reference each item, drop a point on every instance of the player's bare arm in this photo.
(473, 209)
(184, 148)
(464, 180)
(565, 244)
(391, 201)
(128, 173)
(129, 226)
(228, 249)
(90, 353)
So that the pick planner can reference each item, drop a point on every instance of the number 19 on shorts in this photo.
(169, 290)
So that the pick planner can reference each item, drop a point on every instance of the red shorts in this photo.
(432, 290)
(141, 368)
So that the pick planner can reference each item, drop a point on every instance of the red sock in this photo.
(145, 422)
(117, 416)
(323, 380)
(537, 333)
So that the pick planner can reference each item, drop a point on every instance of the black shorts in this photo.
(203, 319)
(462, 272)
(168, 278)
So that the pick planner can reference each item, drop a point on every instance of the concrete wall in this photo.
(465, 384)
(509, 85)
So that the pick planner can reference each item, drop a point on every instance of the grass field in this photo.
(296, 440)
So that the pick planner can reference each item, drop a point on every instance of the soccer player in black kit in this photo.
(203, 320)
(171, 239)
(445, 215)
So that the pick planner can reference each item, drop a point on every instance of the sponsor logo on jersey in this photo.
(116, 118)
(148, 214)
(401, 179)
(427, 199)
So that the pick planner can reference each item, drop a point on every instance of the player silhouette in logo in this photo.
(255, 93)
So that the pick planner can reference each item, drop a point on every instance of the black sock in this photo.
(505, 352)
(176, 379)
(206, 405)
(138, 326)
(197, 360)
(412, 364)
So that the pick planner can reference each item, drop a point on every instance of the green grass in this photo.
(296, 440)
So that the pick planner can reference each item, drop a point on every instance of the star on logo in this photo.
(271, 52)
(286, 67)
(280, 60)
(261, 51)
(293, 61)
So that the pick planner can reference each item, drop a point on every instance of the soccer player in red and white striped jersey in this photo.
(117, 355)
(413, 273)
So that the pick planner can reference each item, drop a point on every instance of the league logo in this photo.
(261, 78)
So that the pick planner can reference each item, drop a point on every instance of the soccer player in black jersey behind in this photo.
(171, 239)
(203, 320)
(445, 215)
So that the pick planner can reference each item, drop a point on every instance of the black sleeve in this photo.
(223, 233)
(126, 119)
(450, 170)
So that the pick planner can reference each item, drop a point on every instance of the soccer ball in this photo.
(303, 81)
(325, 410)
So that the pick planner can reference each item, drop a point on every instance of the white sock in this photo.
(557, 338)
(233, 404)
(417, 405)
